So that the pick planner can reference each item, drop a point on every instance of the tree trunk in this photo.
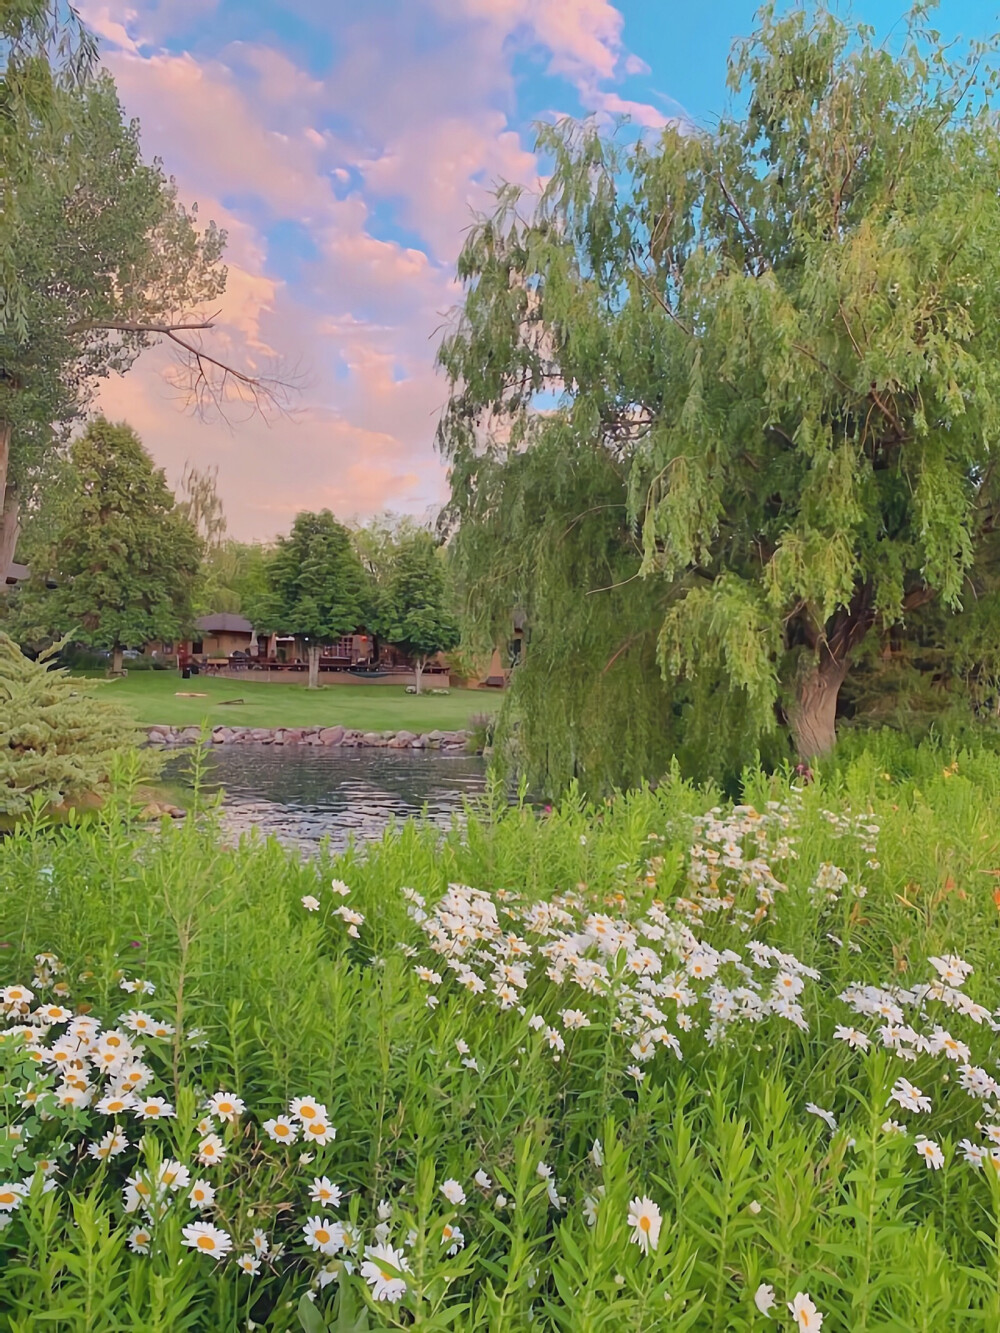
(9, 506)
(116, 660)
(813, 716)
(418, 669)
(314, 649)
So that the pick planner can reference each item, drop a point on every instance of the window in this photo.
(344, 646)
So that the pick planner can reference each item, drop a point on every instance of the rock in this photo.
(278, 737)
(406, 735)
(331, 735)
(419, 743)
(370, 738)
(263, 734)
(189, 735)
(293, 735)
(220, 735)
(435, 735)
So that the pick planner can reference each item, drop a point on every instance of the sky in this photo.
(346, 145)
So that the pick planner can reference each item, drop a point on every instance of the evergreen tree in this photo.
(316, 586)
(58, 740)
(417, 611)
(123, 560)
(782, 335)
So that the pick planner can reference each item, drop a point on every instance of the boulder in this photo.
(263, 734)
(220, 735)
(331, 735)
(278, 736)
(189, 735)
(370, 738)
(293, 735)
(418, 743)
(435, 735)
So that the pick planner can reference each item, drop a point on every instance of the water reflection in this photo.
(303, 794)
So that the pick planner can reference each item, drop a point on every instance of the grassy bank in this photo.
(153, 697)
(766, 1036)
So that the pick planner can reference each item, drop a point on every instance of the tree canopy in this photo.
(775, 344)
(122, 561)
(98, 257)
(417, 611)
(316, 586)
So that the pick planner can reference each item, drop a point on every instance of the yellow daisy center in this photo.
(206, 1243)
(322, 1235)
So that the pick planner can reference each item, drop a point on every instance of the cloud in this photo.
(346, 191)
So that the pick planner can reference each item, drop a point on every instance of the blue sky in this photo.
(344, 145)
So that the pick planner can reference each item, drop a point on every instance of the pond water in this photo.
(303, 793)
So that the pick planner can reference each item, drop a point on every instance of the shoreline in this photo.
(331, 737)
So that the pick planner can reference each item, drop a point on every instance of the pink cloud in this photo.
(426, 129)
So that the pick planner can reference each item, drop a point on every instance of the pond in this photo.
(302, 794)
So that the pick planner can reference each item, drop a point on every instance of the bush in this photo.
(58, 741)
(735, 1013)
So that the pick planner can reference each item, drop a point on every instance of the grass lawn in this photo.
(152, 696)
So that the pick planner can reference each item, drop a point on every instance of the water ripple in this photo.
(303, 794)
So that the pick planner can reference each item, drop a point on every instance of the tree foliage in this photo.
(123, 559)
(417, 611)
(98, 257)
(58, 740)
(201, 504)
(777, 342)
(316, 586)
(233, 578)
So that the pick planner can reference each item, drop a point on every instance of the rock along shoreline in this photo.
(453, 742)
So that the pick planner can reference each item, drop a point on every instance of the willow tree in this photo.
(782, 334)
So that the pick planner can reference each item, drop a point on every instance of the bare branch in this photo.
(208, 382)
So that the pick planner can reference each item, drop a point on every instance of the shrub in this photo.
(58, 740)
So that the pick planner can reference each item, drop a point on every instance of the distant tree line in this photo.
(117, 561)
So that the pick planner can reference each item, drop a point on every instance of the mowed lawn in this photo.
(153, 697)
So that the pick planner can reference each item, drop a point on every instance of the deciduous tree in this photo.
(782, 334)
(98, 258)
(316, 586)
(417, 611)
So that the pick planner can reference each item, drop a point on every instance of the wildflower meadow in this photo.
(666, 1062)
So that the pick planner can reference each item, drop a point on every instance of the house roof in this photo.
(224, 623)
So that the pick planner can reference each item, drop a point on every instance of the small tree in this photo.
(58, 740)
(316, 585)
(123, 559)
(418, 609)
